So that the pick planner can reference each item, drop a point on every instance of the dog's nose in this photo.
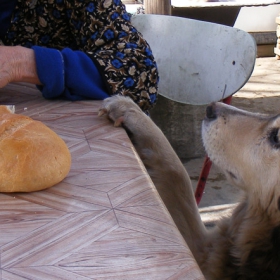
(211, 112)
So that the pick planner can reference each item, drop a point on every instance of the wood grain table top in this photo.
(105, 220)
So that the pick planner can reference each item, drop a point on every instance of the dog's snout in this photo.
(211, 112)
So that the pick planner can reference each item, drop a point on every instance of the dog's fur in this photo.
(246, 147)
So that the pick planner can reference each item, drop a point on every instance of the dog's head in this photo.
(246, 146)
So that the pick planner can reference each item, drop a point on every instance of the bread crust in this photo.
(32, 156)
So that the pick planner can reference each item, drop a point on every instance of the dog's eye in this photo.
(274, 137)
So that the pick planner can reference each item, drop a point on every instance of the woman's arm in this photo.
(17, 64)
(67, 73)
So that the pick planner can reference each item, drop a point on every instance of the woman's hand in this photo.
(17, 64)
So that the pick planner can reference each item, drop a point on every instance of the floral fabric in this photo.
(100, 28)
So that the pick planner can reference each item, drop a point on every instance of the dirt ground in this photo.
(262, 91)
(260, 94)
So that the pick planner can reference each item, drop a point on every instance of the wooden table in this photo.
(104, 221)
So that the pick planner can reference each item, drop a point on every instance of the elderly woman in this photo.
(76, 49)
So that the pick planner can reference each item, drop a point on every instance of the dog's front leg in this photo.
(165, 168)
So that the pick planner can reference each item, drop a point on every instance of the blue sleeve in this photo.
(69, 74)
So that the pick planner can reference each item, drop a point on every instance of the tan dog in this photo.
(246, 147)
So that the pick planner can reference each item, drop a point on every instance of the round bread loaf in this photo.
(32, 156)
